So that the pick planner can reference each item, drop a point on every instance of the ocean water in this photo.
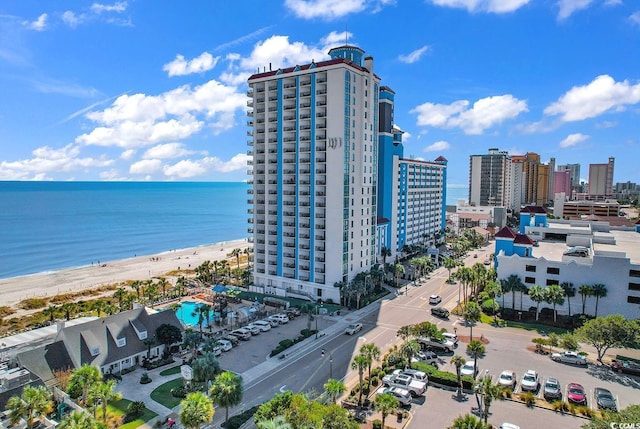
(47, 226)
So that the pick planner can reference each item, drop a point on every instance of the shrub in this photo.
(32, 303)
(377, 424)
(559, 405)
(528, 398)
(179, 392)
(135, 408)
(375, 381)
(238, 420)
(586, 411)
(443, 377)
(490, 306)
(145, 379)
(286, 343)
(571, 408)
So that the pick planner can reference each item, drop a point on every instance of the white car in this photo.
(450, 337)
(354, 328)
(426, 357)
(530, 381)
(255, 330)
(435, 299)
(508, 379)
(225, 345)
(413, 373)
(280, 318)
(469, 368)
(402, 395)
(263, 325)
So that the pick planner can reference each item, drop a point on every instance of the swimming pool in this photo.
(186, 313)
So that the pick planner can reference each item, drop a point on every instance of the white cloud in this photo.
(146, 166)
(437, 147)
(184, 169)
(413, 56)
(485, 113)
(326, 9)
(238, 162)
(72, 19)
(567, 7)
(599, 96)
(336, 38)
(166, 151)
(128, 154)
(492, 6)
(200, 64)
(118, 7)
(279, 52)
(635, 18)
(39, 24)
(46, 161)
(573, 139)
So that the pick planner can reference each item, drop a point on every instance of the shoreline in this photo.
(51, 283)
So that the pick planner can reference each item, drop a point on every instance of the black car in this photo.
(605, 400)
(440, 312)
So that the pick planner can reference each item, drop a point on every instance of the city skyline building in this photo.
(490, 179)
(601, 180)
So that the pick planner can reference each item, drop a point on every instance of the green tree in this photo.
(119, 295)
(35, 402)
(489, 392)
(471, 314)
(569, 291)
(105, 392)
(84, 377)
(458, 361)
(136, 285)
(554, 295)
(195, 410)
(511, 284)
(467, 422)
(205, 368)
(450, 264)
(226, 392)
(537, 294)
(149, 342)
(50, 313)
(334, 388)
(610, 331)
(360, 363)
(568, 342)
(465, 275)
(476, 349)
(405, 332)
(163, 284)
(386, 404)
(493, 290)
(599, 291)
(278, 422)
(80, 420)
(408, 350)
(627, 417)
(585, 291)
(385, 252)
(372, 352)
(398, 270)
(237, 253)
(69, 308)
(168, 334)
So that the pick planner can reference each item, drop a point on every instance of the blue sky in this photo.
(156, 90)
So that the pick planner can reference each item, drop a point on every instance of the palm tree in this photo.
(136, 285)
(467, 422)
(99, 306)
(120, 294)
(458, 361)
(85, 376)
(360, 363)
(50, 312)
(163, 284)
(385, 252)
(493, 290)
(247, 251)
(472, 314)
(226, 392)
(405, 332)
(511, 284)
(408, 350)
(537, 295)
(585, 291)
(386, 404)
(334, 388)
(105, 392)
(599, 291)
(236, 253)
(489, 392)
(398, 269)
(110, 309)
(475, 348)
(195, 410)
(149, 342)
(371, 351)
(202, 311)
(279, 422)
(450, 264)
(68, 308)
(34, 403)
(569, 292)
(79, 420)
(554, 295)
(465, 275)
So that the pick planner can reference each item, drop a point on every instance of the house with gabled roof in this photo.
(111, 343)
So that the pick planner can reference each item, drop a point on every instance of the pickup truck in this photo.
(626, 366)
(569, 357)
(444, 345)
(415, 387)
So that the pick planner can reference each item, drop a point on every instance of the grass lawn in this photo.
(171, 371)
(162, 393)
(538, 327)
(118, 409)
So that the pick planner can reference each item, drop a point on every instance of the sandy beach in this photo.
(14, 290)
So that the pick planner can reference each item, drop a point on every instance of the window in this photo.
(530, 280)
(551, 282)
(633, 299)
(634, 286)
(122, 342)
(531, 268)
(95, 351)
(634, 273)
(551, 270)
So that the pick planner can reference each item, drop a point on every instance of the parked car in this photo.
(280, 318)
(273, 322)
(469, 368)
(413, 373)
(232, 339)
(243, 334)
(435, 299)
(354, 328)
(530, 381)
(508, 379)
(440, 312)
(263, 325)
(509, 426)
(605, 399)
(451, 337)
(292, 312)
(255, 330)
(225, 344)
(625, 366)
(402, 395)
(426, 356)
(572, 358)
(575, 394)
(415, 387)
(436, 344)
(552, 390)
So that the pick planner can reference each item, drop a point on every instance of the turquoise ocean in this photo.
(48, 226)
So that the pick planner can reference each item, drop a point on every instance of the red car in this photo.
(575, 394)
